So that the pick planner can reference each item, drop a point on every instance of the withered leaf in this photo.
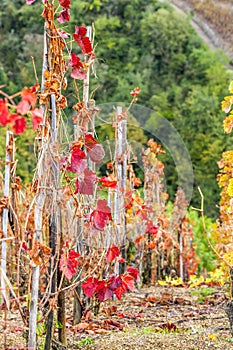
(40, 253)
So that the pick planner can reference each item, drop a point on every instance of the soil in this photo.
(150, 318)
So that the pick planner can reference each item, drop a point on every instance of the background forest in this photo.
(143, 43)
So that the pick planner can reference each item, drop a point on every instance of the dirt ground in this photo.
(149, 318)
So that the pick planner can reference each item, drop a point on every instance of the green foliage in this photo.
(202, 293)
(24, 153)
(205, 253)
(85, 341)
(41, 329)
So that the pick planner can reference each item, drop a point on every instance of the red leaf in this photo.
(83, 42)
(86, 186)
(64, 3)
(97, 153)
(103, 292)
(135, 92)
(143, 212)
(99, 220)
(128, 282)
(106, 182)
(89, 287)
(78, 162)
(101, 215)
(63, 34)
(94, 149)
(19, 124)
(74, 61)
(90, 142)
(37, 117)
(77, 73)
(29, 2)
(25, 247)
(112, 253)
(29, 95)
(120, 259)
(4, 113)
(64, 16)
(102, 205)
(81, 31)
(170, 327)
(120, 291)
(151, 228)
(77, 185)
(129, 199)
(132, 271)
(114, 282)
(23, 107)
(68, 264)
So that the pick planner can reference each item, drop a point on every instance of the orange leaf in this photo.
(152, 245)
(138, 240)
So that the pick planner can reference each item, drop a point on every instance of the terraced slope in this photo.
(214, 18)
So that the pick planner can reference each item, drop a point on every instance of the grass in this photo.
(85, 341)
(202, 293)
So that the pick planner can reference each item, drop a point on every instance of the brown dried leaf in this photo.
(101, 331)
(4, 201)
(46, 74)
(82, 326)
(62, 102)
(40, 253)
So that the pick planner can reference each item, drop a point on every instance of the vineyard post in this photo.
(9, 150)
(121, 171)
(53, 222)
(229, 305)
(86, 82)
(39, 203)
(61, 303)
(77, 307)
(181, 252)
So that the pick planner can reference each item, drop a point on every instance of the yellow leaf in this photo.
(228, 124)
(231, 87)
(227, 103)
(177, 282)
(162, 283)
(230, 188)
(222, 180)
(212, 336)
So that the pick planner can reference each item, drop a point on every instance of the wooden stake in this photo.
(121, 172)
(39, 203)
(77, 307)
(9, 150)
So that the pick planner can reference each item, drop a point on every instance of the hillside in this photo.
(213, 21)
